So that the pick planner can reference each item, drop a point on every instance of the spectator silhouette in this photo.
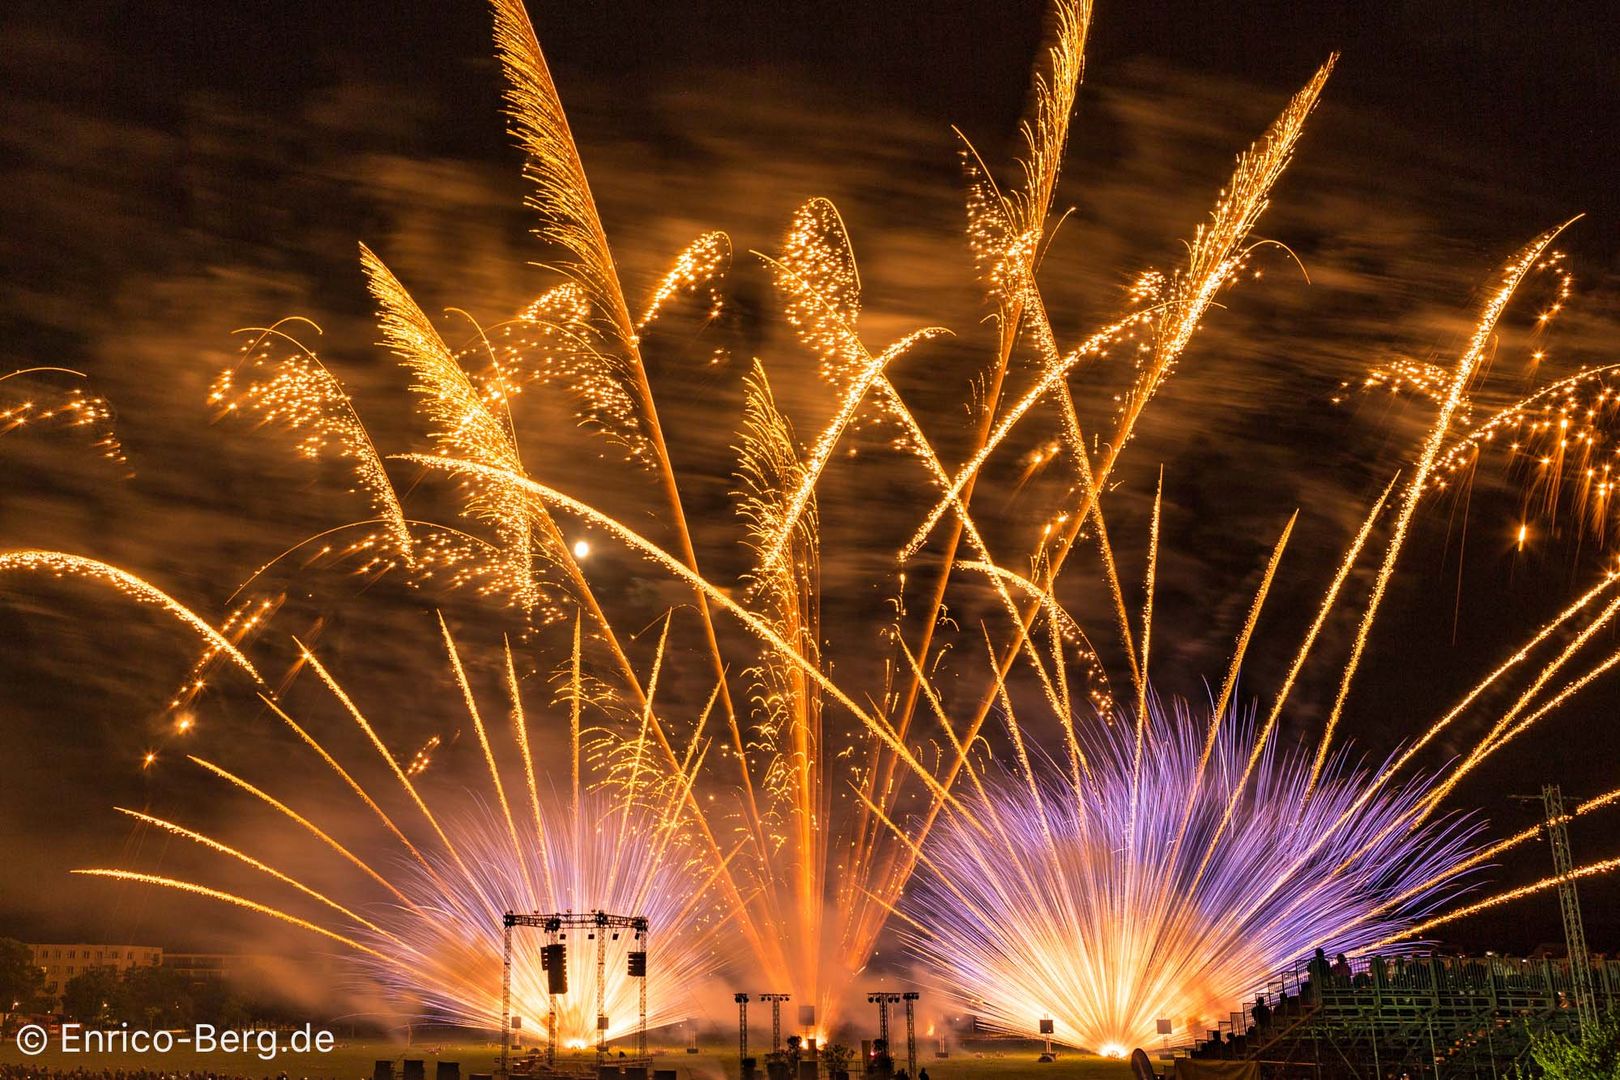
(1261, 1013)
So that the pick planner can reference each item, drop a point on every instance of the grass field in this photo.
(352, 1059)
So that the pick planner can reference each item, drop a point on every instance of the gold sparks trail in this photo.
(737, 769)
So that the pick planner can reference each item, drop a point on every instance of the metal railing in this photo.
(1372, 993)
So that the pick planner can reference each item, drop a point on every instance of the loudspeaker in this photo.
(638, 965)
(554, 961)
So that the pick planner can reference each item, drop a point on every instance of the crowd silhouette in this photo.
(29, 1071)
(1269, 1014)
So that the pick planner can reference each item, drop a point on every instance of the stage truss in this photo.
(555, 925)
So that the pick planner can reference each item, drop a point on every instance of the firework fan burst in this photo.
(1174, 862)
(582, 848)
(581, 863)
(776, 816)
(442, 878)
(1108, 904)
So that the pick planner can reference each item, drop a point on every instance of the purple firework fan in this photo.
(1159, 881)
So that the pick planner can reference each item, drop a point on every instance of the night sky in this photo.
(175, 172)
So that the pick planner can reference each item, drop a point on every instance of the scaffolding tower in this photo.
(910, 997)
(883, 1000)
(1569, 903)
(776, 1018)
